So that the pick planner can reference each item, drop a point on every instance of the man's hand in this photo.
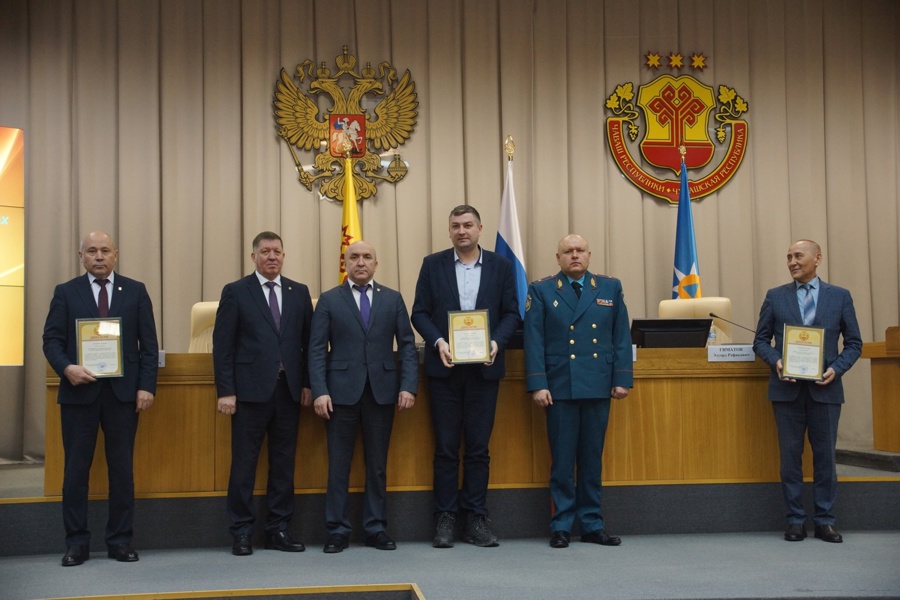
(827, 377)
(305, 397)
(542, 398)
(619, 392)
(77, 375)
(144, 401)
(778, 368)
(323, 406)
(494, 349)
(405, 400)
(443, 349)
(227, 405)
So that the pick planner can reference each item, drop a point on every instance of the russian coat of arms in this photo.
(316, 114)
(677, 111)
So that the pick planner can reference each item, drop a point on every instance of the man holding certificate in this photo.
(100, 338)
(806, 318)
(466, 310)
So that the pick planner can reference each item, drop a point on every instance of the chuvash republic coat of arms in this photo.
(345, 129)
(677, 113)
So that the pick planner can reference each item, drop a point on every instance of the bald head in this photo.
(803, 260)
(98, 254)
(573, 255)
(360, 261)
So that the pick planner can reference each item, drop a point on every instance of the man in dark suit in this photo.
(463, 397)
(808, 407)
(577, 355)
(87, 401)
(260, 343)
(356, 382)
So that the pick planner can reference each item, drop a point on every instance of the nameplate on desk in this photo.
(730, 353)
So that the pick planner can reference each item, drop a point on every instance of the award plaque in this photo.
(803, 353)
(100, 346)
(470, 336)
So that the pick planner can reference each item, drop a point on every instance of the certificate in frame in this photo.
(803, 353)
(470, 336)
(99, 344)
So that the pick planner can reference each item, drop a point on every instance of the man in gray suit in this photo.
(356, 382)
(807, 407)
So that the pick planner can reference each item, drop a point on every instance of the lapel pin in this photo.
(593, 283)
(558, 283)
(555, 303)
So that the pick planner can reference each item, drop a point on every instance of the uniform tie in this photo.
(102, 298)
(808, 304)
(577, 287)
(365, 307)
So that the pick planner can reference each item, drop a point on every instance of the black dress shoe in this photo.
(559, 539)
(122, 553)
(284, 542)
(336, 543)
(601, 537)
(242, 545)
(75, 555)
(795, 533)
(381, 541)
(828, 533)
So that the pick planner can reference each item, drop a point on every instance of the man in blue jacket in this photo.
(808, 407)
(577, 356)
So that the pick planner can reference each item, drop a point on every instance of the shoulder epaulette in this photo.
(547, 278)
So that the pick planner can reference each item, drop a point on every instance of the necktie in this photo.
(102, 298)
(273, 304)
(577, 287)
(808, 304)
(365, 308)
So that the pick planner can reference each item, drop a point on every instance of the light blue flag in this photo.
(686, 277)
(509, 241)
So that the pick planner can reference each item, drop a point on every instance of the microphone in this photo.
(715, 316)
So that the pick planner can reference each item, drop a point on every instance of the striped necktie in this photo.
(807, 304)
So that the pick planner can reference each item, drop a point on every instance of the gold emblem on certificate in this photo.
(803, 356)
(100, 346)
(470, 336)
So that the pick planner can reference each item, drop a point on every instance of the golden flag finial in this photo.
(510, 146)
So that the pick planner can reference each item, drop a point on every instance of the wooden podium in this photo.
(885, 357)
(686, 420)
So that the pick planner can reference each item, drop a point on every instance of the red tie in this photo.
(102, 298)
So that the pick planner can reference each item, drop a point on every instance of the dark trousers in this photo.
(462, 404)
(279, 417)
(795, 420)
(341, 429)
(80, 424)
(576, 430)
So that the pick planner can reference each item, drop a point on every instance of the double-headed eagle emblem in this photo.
(346, 128)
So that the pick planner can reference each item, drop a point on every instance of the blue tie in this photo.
(364, 306)
(808, 305)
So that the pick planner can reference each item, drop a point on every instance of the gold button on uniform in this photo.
(572, 357)
(594, 325)
(595, 340)
(572, 342)
(571, 327)
(595, 355)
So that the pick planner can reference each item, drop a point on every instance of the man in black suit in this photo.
(88, 401)
(356, 382)
(259, 354)
(463, 397)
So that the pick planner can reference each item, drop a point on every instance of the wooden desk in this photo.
(885, 357)
(687, 420)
